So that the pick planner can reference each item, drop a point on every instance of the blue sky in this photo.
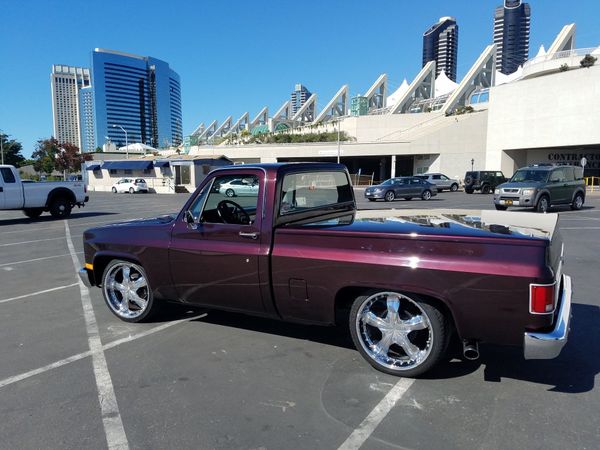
(236, 56)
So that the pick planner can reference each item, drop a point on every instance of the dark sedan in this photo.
(401, 187)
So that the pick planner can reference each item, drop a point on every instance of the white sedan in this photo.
(131, 185)
(245, 187)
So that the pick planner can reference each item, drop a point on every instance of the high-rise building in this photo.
(139, 93)
(299, 97)
(440, 44)
(86, 119)
(65, 84)
(512, 22)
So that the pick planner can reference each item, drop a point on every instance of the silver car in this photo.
(441, 181)
(240, 187)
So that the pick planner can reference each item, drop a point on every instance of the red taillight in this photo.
(542, 298)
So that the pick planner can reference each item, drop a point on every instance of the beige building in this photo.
(65, 84)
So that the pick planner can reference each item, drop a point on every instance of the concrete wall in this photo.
(557, 110)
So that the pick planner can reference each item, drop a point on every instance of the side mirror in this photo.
(189, 217)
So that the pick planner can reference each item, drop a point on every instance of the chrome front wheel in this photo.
(398, 334)
(127, 292)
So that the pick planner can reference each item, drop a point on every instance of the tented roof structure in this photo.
(444, 85)
(397, 94)
(137, 147)
(503, 79)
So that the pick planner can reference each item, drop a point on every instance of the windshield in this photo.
(386, 182)
(529, 175)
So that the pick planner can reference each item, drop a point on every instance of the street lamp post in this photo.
(2, 145)
(338, 141)
(126, 141)
(472, 163)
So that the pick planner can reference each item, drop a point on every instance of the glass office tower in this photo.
(440, 44)
(512, 23)
(141, 94)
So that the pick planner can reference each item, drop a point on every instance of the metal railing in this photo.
(592, 183)
(560, 55)
(361, 180)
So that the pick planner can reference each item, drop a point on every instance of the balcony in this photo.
(551, 63)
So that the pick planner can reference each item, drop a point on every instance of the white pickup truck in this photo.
(58, 197)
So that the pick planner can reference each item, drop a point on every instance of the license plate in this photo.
(508, 202)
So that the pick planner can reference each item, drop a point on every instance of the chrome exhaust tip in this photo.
(471, 350)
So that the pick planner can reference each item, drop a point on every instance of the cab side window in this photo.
(7, 175)
(231, 199)
(557, 176)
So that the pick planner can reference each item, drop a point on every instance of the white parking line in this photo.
(14, 263)
(77, 357)
(111, 417)
(45, 291)
(372, 421)
(580, 228)
(31, 242)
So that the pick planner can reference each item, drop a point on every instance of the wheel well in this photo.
(346, 296)
(101, 261)
(60, 193)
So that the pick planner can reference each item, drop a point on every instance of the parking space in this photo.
(206, 379)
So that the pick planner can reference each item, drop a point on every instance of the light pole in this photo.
(2, 145)
(126, 141)
(338, 141)
(472, 163)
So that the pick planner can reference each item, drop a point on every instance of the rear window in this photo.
(140, 180)
(7, 175)
(310, 190)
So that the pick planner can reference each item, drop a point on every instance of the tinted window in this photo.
(437, 177)
(140, 180)
(444, 177)
(7, 175)
(306, 190)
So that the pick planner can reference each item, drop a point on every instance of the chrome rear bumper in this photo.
(549, 345)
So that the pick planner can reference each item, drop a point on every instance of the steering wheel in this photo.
(230, 212)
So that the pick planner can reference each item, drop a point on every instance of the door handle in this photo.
(253, 235)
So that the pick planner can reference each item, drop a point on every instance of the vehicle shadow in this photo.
(337, 336)
(48, 218)
(572, 372)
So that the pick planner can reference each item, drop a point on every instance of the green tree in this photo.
(45, 155)
(12, 150)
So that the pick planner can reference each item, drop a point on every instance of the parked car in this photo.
(401, 187)
(239, 187)
(441, 181)
(131, 185)
(56, 197)
(299, 251)
(542, 186)
(483, 180)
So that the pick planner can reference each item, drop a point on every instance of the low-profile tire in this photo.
(127, 291)
(230, 193)
(543, 204)
(485, 189)
(131, 190)
(468, 191)
(426, 195)
(577, 202)
(60, 208)
(114, 190)
(398, 334)
(33, 213)
(454, 187)
(389, 196)
(501, 207)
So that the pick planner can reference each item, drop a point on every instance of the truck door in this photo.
(216, 260)
(11, 196)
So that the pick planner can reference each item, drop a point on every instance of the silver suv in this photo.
(541, 186)
(440, 180)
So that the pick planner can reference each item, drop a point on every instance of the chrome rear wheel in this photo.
(398, 334)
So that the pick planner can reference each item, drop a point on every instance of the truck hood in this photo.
(467, 223)
(160, 220)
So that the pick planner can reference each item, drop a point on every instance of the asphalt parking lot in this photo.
(205, 379)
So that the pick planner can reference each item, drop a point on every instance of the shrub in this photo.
(563, 68)
(588, 61)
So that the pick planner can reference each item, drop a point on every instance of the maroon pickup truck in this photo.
(285, 241)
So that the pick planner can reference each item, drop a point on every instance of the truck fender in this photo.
(60, 192)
